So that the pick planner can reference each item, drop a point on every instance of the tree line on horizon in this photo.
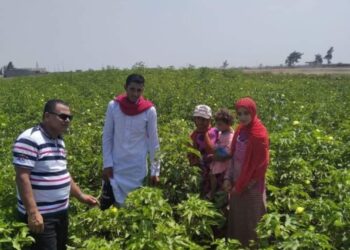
(295, 56)
(290, 61)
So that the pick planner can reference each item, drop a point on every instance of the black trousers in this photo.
(107, 198)
(55, 233)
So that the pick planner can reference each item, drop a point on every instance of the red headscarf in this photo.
(256, 158)
(130, 108)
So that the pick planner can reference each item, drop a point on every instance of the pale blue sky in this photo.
(82, 34)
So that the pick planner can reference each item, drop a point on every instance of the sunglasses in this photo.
(63, 117)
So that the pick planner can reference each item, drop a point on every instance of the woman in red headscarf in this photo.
(245, 179)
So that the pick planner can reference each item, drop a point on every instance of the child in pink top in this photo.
(222, 149)
(203, 138)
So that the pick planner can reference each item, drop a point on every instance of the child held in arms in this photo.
(222, 149)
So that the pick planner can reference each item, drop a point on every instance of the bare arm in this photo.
(209, 146)
(35, 220)
(75, 190)
(82, 197)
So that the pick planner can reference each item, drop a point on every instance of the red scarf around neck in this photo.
(256, 157)
(130, 108)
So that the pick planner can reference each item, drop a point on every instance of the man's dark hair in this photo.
(224, 115)
(50, 105)
(135, 78)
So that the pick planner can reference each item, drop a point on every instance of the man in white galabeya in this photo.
(129, 134)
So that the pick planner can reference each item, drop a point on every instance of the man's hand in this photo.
(88, 199)
(107, 174)
(35, 222)
(81, 196)
(154, 180)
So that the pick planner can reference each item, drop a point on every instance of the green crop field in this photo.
(308, 180)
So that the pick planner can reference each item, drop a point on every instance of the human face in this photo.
(202, 124)
(57, 122)
(222, 126)
(244, 116)
(134, 91)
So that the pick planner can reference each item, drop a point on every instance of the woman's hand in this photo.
(233, 191)
(226, 186)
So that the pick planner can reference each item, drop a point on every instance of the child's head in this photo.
(202, 116)
(246, 110)
(223, 120)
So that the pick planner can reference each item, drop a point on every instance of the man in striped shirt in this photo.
(43, 182)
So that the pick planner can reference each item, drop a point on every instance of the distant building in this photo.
(23, 72)
(313, 63)
(11, 71)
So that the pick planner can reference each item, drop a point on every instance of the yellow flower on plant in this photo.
(296, 123)
(299, 210)
(114, 210)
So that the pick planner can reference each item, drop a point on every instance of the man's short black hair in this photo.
(50, 105)
(135, 78)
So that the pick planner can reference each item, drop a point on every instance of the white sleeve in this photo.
(153, 141)
(107, 137)
(25, 152)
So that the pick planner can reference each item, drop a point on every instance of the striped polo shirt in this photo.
(45, 157)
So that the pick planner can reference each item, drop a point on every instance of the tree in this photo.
(191, 66)
(10, 66)
(329, 55)
(293, 58)
(318, 59)
(139, 65)
(224, 64)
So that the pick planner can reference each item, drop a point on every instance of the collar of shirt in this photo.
(45, 132)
